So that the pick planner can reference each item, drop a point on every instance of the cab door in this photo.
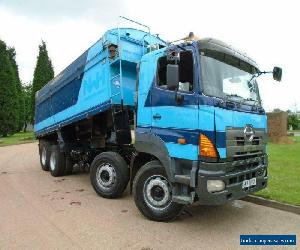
(175, 111)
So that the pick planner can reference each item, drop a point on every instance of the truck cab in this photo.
(199, 113)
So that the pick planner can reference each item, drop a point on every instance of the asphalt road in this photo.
(38, 211)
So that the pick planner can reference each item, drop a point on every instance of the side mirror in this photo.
(277, 74)
(172, 76)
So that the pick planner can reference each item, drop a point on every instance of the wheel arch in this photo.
(149, 147)
(138, 160)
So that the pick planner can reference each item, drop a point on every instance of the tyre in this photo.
(57, 162)
(44, 150)
(109, 175)
(69, 166)
(153, 193)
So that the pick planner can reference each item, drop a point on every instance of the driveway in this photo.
(38, 211)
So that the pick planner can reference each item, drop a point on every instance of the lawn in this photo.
(284, 173)
(18, 138)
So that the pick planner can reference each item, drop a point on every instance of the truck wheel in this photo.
(44, 149)
(153, 193)
(57, 162)
(69, 165)
(109, 174)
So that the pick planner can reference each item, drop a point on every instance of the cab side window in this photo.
(186, 69)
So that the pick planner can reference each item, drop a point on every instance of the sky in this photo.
(267, 31)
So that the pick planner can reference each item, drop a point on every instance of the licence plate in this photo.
(249, 183)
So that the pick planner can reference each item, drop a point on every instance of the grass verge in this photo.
(284, 173)
(18, 138)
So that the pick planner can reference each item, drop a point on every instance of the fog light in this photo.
(215, 186)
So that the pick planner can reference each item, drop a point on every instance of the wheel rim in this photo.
(44, 155)
(52, 162)
(157, 192)
(106, 175)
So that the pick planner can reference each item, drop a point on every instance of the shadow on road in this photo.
(208, 216)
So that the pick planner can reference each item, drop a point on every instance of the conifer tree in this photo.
(20, 99)
(43, 73)
(8, 94)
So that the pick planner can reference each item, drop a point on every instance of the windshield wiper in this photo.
(255, 106)
(250, 100)
(229, 102)
(228, 96)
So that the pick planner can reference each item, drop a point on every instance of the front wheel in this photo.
(153, 193)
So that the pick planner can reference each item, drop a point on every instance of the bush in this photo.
(293, 122)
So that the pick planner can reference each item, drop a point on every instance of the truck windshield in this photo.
(228, 77)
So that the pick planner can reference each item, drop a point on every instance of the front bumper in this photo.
(232, 173)
(233, 185)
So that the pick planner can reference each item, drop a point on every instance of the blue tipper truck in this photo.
(179, 122)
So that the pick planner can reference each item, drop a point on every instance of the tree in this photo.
(8, 94)
(26, 90)
(293, 121)
(20, 100)
(43, 73)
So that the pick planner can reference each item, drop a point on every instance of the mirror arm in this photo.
(265, 72)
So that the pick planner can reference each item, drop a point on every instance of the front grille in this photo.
(239, 147)
(240, 141)
(249, 163)
(240, 178)
(246, 155)
(246, 165)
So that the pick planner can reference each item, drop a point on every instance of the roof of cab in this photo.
(215, 44)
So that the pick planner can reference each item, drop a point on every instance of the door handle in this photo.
(157, 116)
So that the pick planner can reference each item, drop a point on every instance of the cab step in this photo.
(183, 179)
(183, 199)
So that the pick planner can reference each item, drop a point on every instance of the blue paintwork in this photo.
(228, 118)
(198, 114)
(186, 151)
(222, 152)
(43, 129)
(92, 81)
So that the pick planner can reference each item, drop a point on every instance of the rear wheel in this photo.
(44, 149)
(153, 193)
(57, 162)
(109, 174)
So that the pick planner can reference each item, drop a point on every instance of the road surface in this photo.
(38, 211)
